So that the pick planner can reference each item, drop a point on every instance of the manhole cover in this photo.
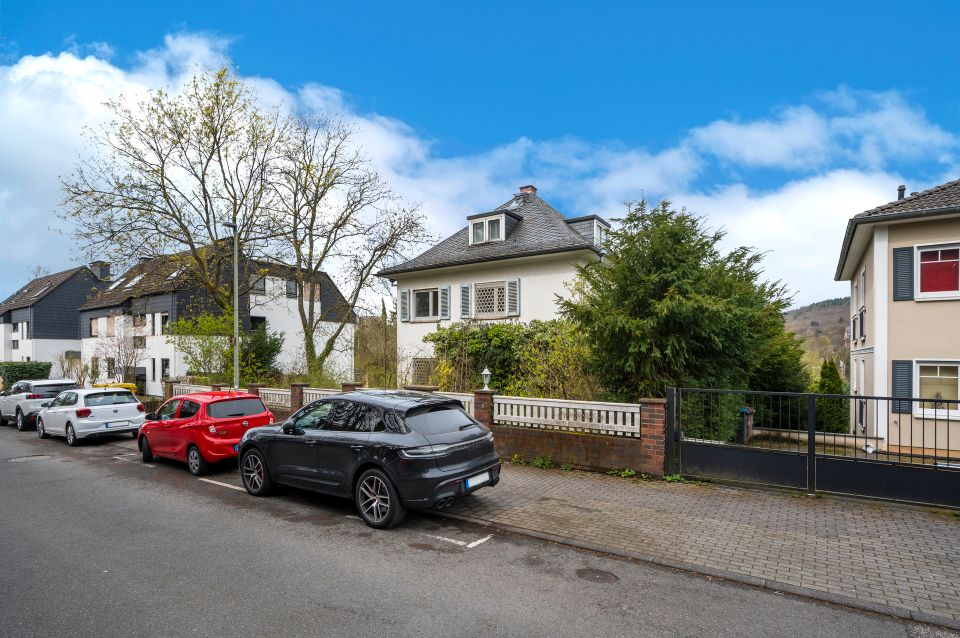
(597, 575)
(24, 459)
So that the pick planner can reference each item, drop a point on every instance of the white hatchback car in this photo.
(83, 414)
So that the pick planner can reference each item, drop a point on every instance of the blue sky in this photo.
(777, 122)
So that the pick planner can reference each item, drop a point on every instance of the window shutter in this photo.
(513, 297)
(902, 274)
(404, 305)
(464, 301)
(902, 386)
(445, 302)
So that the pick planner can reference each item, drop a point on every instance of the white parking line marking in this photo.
(232, 487)
(479, 542)
(461, 543)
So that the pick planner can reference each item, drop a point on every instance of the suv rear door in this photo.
(8, 402)
(341, 442)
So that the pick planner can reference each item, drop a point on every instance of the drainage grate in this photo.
(24, 459)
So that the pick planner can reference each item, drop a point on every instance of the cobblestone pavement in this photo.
(880, 555)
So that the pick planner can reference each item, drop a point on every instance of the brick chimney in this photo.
(529, 188)
(901, 189)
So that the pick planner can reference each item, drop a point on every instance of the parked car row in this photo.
(388, 451)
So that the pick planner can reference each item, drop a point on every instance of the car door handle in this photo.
(311, 442)
(357, 447)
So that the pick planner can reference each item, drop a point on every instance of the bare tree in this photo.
(335, 214)
(123, 349)
(168, 171)
(39, 271)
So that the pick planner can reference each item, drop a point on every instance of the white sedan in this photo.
(82, 414)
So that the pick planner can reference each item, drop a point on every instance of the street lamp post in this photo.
(236, 306)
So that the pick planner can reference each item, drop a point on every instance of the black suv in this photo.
(388, 450)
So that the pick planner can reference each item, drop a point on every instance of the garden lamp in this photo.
(485, 375)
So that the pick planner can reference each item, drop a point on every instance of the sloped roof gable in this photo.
(540, 229)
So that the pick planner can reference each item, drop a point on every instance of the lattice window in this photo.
(422, 369)
(490, 299)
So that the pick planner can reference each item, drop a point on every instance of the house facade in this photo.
(901, 260)
(40, 321)
(507, 264)
(125, 325)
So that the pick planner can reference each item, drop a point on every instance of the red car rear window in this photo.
(235, 408)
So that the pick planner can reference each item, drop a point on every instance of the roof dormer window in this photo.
(487, 229)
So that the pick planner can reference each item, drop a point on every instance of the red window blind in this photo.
(940, 270)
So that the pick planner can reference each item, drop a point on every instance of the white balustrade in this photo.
(599, 417)
(186, 388)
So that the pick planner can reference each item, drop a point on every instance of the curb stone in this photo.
(702, 570)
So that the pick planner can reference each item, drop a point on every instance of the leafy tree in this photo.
(204, 340)
(667, 307)
(375, 352)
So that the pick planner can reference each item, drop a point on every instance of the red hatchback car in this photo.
(201, 428)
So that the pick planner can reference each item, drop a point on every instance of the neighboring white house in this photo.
(40, 321)
(128, 319)
(902, 260)
(507, 264)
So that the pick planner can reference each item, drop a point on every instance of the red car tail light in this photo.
(34, 396)
(140, 407)
(83, 413)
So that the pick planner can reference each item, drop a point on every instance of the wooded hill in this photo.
(822, 326)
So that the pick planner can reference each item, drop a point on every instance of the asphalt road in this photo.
(95, 543)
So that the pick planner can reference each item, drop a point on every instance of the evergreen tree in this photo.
(667, 307)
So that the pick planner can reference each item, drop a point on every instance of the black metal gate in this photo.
(879, 447)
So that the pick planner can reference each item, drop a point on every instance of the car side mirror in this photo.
(151, 416)
(46, 404)
(289, 427)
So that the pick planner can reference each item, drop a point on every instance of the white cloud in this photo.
(839, 147)
(797, 138)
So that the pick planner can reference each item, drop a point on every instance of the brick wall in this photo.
(591, 451)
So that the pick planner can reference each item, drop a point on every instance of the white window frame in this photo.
(496, 285)
(931, 296)
(435, 308)
(951, 414)
(485, 223)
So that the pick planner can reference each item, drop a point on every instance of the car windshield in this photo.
(234, 408)
(109, 398)
(50, 391)
(438, 419)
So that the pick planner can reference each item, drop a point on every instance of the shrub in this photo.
(13, 371)
(543, 462)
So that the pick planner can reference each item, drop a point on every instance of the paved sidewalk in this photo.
(891, 559)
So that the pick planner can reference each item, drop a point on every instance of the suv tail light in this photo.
(34, 396)
(140, 407)
(83, 413)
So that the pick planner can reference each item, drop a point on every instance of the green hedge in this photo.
(13, 371)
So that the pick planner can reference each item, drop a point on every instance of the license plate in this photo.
(236, 447)
(478, 480)
(106, 425)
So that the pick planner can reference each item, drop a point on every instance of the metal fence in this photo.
(886, 447)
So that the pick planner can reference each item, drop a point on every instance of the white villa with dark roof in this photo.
(508, 264)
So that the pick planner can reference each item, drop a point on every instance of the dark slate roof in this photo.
(541, 230)
(37, 290)
(149, 277)
(939, 200)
